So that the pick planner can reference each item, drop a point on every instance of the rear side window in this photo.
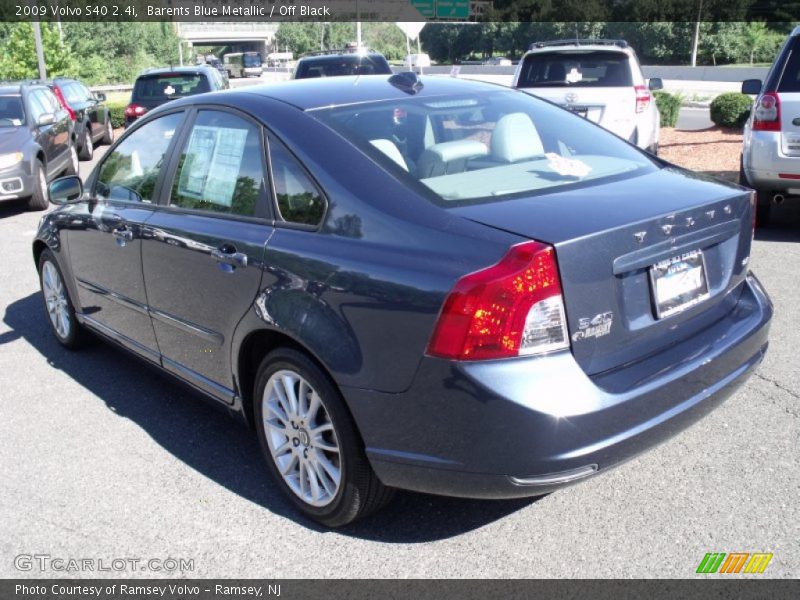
(790, 80)
(299, 199)
(221, 168)
(130, 172)
(594, 68)
(169, 86)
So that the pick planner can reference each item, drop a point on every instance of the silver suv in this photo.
(601, 80)
(771, 150)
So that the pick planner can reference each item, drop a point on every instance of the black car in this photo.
(335, 63)
(155, 87)
(437, 285)
(37, 142)
(91, 116)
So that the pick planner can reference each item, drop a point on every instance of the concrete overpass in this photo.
(241, 37)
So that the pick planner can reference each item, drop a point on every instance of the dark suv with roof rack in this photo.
(37, 142)
(352, 60)
(155, 87)
(89, 112)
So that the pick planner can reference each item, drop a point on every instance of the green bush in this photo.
(669, 105)
(731, 109)
(117, 113)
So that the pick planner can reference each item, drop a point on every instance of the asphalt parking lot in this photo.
(103, 458)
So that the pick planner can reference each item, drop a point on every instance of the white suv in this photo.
(771, 149)
(600, 80)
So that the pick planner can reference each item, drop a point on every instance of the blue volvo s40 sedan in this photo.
(428, 284)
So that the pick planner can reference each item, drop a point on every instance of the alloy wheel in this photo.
(56, 300)
(301, 438)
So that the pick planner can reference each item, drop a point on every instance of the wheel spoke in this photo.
(288, 389)
(324, 478)
(289, 467)
(282, 449)
(276, 409)
(303, 481)
(322, 429)
(302, 399)
(333, 471)
(277, 388)
(313, 481)
(323, 445)
(313, 407)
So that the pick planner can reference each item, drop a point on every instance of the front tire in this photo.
(38, 200)
(310, 443)
(108, 135)
(87, 147)
(72, 166)
(57, 303)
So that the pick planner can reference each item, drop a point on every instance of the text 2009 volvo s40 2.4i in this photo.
(427, 284)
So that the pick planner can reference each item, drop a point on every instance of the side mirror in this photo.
(655, 83)
(66, 190)
(100, 96)
(46, 119)
(751, 87)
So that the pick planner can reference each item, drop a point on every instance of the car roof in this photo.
(162, 70)
(310, 94)
(330, 57)
(15, 88)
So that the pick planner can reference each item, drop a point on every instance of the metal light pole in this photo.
(37, 38)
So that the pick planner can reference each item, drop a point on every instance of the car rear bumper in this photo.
(764, 162)
(525, 427)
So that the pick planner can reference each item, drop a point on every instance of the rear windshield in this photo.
(790, 79)
(485, 146)
(11, 111)
(169, 86)
(252, 60)
(333, 66)
(578, 68)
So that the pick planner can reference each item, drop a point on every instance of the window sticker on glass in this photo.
(212, 162)
(574, 76)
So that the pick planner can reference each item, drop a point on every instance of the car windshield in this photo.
(168, 86)
(11, 112)
(252, 60)
(579, 68)
(334, 66)
(484, 146)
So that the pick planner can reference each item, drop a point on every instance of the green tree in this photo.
(19, 60)
(755, 36)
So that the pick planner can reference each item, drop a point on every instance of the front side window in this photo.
(221, 167)
(299, 199)
(130, 172)
(484, 145)
(39, 105)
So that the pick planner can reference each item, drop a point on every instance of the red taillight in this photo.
(642, 98)
(510, 309)
(63, 101)
(767, 113)
(134, 110)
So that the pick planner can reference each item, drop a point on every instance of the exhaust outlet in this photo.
(778, 199)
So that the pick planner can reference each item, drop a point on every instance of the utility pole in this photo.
(37, 38)
(696, 39)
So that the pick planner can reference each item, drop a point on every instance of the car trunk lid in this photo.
(609, 239)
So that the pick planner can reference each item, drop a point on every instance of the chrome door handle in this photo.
(233, 258)
(123, 233)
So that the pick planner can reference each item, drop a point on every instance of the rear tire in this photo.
(38, 200)
(763, 209)
(306, 433)
(87, 147)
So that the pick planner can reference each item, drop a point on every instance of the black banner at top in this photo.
(400, 10)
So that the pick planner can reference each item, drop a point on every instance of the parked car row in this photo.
(412, 282)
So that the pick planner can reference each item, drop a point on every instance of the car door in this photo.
(202, 256)
(104, 234)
